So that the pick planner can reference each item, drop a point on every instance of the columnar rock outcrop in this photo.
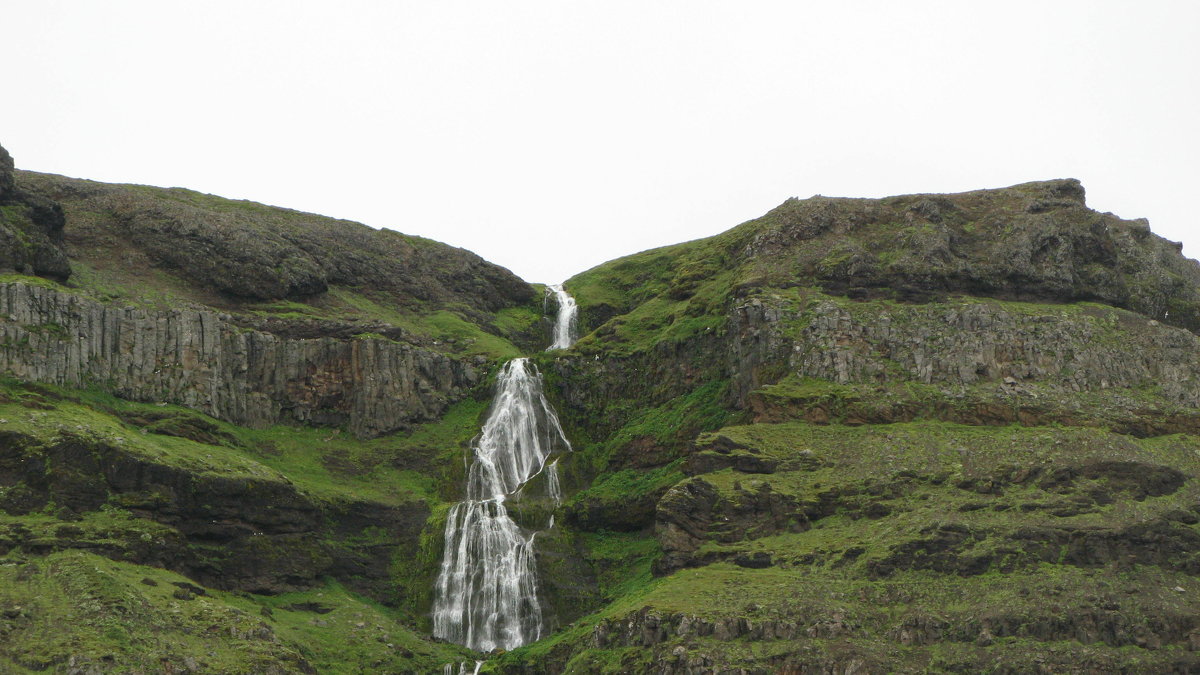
(201, 360)
(965, 343)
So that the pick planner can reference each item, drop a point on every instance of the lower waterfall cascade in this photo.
(486, 593)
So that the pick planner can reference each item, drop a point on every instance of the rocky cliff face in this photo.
(970, 348)
(202, 360)
(31, 229)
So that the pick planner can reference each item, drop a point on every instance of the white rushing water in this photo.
(486, 591)
(566, 320)
(463, 669)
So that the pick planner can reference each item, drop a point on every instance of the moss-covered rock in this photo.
(251, 251)
(31, 229)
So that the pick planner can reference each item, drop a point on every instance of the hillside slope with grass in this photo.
(929, 433)
(254, 314)
(282, 271)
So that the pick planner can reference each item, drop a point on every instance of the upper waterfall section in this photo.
(566, 321)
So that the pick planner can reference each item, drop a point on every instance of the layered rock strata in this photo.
(201, 360)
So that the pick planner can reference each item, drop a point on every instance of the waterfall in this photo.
(486, 590)
(552, 487)
(566, 321)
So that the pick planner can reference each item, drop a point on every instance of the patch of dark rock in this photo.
(1182, 516)
(314, 607)
(634, 513)
(983, 486)
(709, 462)
(876, 510)
(191, 588)
(149, 582)
(1071, 510)
(725, 445)
(68, 531)
(27, 572)
(1139, 479)
(705, 462)
(36, 403)
(849, 555)
(755, 560)
(938, 550)
(67, 514)
(43, 391)
(194, 429)
(752, 464)
(643, 452)
(21, 499)
(339, 461)
(172, 423)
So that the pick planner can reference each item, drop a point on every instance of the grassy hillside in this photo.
(918, 434)
(930, 433)
(286, 271)
(98, 495)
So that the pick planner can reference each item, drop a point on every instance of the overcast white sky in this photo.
(551, 136)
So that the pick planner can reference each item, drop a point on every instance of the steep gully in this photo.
(486, 594)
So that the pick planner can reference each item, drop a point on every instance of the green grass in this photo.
(31, 281)
(125, 618)
(667, 428)
(327, 464)
(622, 561)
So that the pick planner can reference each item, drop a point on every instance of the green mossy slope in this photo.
(99, 495)
(284, 271)
(930, 433)
(948, 445)
(905, 548)
(78, 612)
